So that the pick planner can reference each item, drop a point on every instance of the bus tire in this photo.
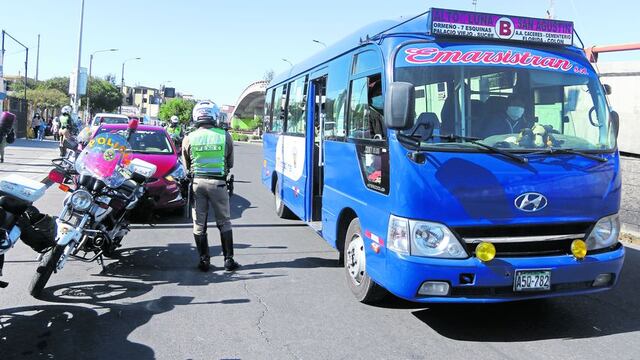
(282, 210)
(360, 284)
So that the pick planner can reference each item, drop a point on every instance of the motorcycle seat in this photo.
(12, 204)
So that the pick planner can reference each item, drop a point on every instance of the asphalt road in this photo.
(289, 300)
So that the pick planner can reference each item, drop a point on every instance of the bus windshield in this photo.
(511, 98)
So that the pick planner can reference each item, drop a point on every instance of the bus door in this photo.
(315, 128)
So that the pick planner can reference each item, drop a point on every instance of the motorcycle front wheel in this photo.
(47, 266)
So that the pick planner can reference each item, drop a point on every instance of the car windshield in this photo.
(109, 120)
(146, 141)
(511, 98)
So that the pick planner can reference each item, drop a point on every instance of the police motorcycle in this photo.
(19, 219)
(93, 221)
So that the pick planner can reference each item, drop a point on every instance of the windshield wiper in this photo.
(475, 141)
(570, 151)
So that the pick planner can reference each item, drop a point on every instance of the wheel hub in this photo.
(356, 263)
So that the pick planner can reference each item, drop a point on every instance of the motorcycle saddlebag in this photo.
(38, 230)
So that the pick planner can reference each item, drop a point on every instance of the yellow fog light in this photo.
(579, 249)
(485, 251)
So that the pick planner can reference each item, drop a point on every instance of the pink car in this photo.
(153, 144)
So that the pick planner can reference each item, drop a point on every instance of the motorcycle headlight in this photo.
(81, 200)
(423, 238)
(605, 233)
(177, 174)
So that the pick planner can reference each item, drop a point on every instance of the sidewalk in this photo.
(29, 158)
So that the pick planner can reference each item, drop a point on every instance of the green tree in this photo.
(180, 107)
(105, 97)
(42, 99)
(60, 83)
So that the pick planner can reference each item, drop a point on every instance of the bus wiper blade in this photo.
(571, 151)
(474, 140)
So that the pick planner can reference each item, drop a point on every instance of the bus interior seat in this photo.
(424, 125)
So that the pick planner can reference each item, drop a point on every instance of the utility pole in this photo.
(2, 72)
(38, 59)
(76, 97)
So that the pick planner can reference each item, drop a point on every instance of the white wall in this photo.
(624, 78)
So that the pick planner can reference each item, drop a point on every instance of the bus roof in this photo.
(412, 26)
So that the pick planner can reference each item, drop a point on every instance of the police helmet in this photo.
(66, 110)
(206, 113)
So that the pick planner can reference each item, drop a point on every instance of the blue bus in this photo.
(452, 157)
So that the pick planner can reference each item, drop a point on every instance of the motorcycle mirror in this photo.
(56, 176)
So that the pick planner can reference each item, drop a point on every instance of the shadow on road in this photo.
(174, 264)
(614, 312)
(75, 332)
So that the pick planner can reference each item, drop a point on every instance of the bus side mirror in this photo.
(614, 119)
(607, 89)
(399, 106)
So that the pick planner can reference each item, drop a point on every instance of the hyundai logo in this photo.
(530, 202)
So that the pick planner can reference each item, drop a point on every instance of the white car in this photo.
(105, 118)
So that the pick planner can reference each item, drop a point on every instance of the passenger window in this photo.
(366, 61)
(366, 113)
(336, 103)
(280, 101)
(268, 110)
(296, 119)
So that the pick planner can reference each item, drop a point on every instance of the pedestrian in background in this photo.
(7, 136)
(55, 127)
(35, 125)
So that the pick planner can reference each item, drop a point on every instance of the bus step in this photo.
(316, 226)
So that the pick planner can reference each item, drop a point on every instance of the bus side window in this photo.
(296, 108)
(268, 110)
(336, 101)
(366, 110)
(280, 101)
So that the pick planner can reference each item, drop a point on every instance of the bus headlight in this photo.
(81, 200)
(423, 238)
(434, 240)
(605, 233)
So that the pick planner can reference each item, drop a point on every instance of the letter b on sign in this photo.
(504, 28)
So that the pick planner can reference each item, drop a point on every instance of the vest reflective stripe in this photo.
(208, 152)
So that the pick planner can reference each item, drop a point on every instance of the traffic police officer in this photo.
(208, 156)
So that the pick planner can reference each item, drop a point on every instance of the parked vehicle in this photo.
(153, 144)
(93, 222)
(452, 157)
(106, 118)
(20, 219)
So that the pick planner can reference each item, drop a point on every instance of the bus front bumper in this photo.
(472, 281)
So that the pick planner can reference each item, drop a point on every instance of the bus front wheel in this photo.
(355, 265)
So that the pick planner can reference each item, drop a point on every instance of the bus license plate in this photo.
(532, 280)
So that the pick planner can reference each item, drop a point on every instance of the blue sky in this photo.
(214, 49)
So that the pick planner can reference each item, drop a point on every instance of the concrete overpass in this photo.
(251, 101)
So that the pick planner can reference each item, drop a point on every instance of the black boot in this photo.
(203, 250)
(63, 151)
(227, 251)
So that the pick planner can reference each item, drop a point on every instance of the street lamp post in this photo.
(319, 42)
(76, 96)
(89, 80)
(122, 78)
(288, 62)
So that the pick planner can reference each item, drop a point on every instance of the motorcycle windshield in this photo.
(105, 157)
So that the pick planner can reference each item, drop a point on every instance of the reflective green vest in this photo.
(64, 121)
(208, 152)
(177, 131)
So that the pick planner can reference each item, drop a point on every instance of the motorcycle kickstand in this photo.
(101, 262)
